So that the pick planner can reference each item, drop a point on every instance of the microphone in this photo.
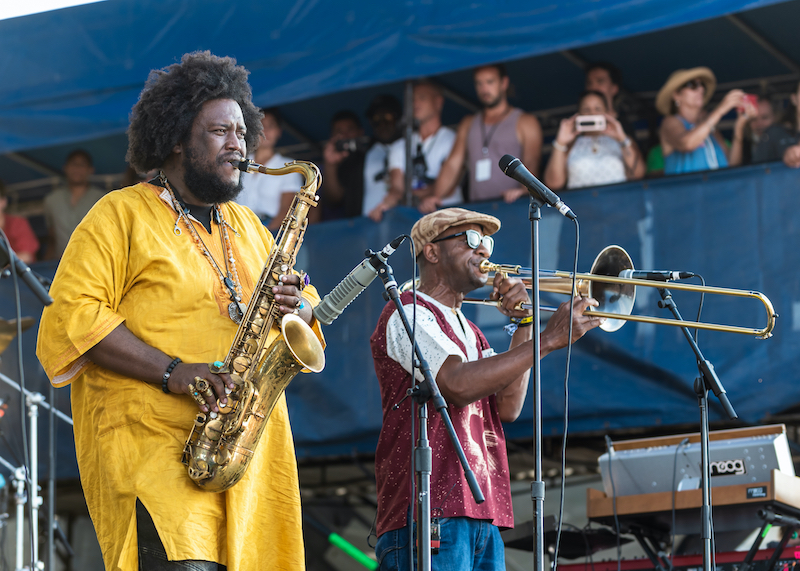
(655, 275)
(514, 168)
(354, 283)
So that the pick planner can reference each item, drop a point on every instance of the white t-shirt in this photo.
(435, 346)
(262, 192)
(376, 177)
(436, 148)
(595, 160)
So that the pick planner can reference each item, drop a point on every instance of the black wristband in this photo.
(167, 374)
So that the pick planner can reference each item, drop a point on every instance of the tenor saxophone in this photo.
(220, 446)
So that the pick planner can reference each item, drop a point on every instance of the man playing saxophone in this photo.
(148, 294)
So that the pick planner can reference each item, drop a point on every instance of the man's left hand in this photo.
(556, 333)
(287, 295)
(511, 292)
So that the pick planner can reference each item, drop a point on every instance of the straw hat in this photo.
(679, 78)
(430, 226)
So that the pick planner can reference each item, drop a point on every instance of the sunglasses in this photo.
(474, 239)
(383, 118)
(693, 84)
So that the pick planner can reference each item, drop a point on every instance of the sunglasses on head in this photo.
(693, 84)
(474, 239)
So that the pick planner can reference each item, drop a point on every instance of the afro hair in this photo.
(172, 98)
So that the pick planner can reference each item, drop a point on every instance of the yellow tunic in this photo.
(124, 263)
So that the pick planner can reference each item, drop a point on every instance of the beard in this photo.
(492, 103)
(205, 183)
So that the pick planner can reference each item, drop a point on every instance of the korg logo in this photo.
(727, 468)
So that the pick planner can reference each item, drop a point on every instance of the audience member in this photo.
(689, 139)
(269, 196)
(18, 231)
(65, 207)
(606, 78)
(343, 167)
(383, 113)
(780, 140)
(750, 130)
(483, 138)
(590, 158)
(765, 117)
(431, 144)
(351, 194)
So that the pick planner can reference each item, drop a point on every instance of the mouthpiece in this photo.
(486, 266)
(241, 164)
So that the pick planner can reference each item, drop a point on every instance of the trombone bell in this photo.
(613, 298)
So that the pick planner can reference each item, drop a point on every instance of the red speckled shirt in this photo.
(441, 332)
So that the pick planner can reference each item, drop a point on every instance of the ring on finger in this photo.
(204, 387)
(199, 399)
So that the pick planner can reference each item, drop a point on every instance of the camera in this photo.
(590, 123)
(359, 144)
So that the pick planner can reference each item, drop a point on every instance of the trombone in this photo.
(616, 295)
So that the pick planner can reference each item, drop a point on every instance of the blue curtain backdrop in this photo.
(738, 228)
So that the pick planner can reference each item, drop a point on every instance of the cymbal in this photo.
(8, 330)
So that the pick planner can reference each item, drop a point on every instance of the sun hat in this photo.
(678, 79)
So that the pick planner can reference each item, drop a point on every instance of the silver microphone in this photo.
(353, 284)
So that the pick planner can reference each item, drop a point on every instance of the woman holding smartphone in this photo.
(591, 148)
(689, 139)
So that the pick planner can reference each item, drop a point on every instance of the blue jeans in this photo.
(466, 544)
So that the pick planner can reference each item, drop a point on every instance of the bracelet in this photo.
(559, 147)
(626, 142)
(524, 322)
(515, 324)
(167, 375)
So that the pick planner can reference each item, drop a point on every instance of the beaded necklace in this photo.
(230, 277)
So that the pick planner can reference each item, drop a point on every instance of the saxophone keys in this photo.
(240, 364)
(222, 456)
(251, 345)
(237, 381)
(256, 325)
(213, 430)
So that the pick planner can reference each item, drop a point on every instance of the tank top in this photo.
(487, 181)
(708, 156)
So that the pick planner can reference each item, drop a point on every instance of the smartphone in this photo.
(753, 99)
(590, 123)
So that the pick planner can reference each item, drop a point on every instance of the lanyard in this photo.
(488, 138)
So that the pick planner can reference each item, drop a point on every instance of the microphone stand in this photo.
(537, 486)
(708, 380)
(34, 401)
(423, 458)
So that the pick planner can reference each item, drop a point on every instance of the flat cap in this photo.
(431, 225)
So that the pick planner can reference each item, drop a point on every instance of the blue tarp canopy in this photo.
(73, 75)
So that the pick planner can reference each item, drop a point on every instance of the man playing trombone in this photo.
(483, 389)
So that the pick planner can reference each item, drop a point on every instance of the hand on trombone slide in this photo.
(557, 330)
